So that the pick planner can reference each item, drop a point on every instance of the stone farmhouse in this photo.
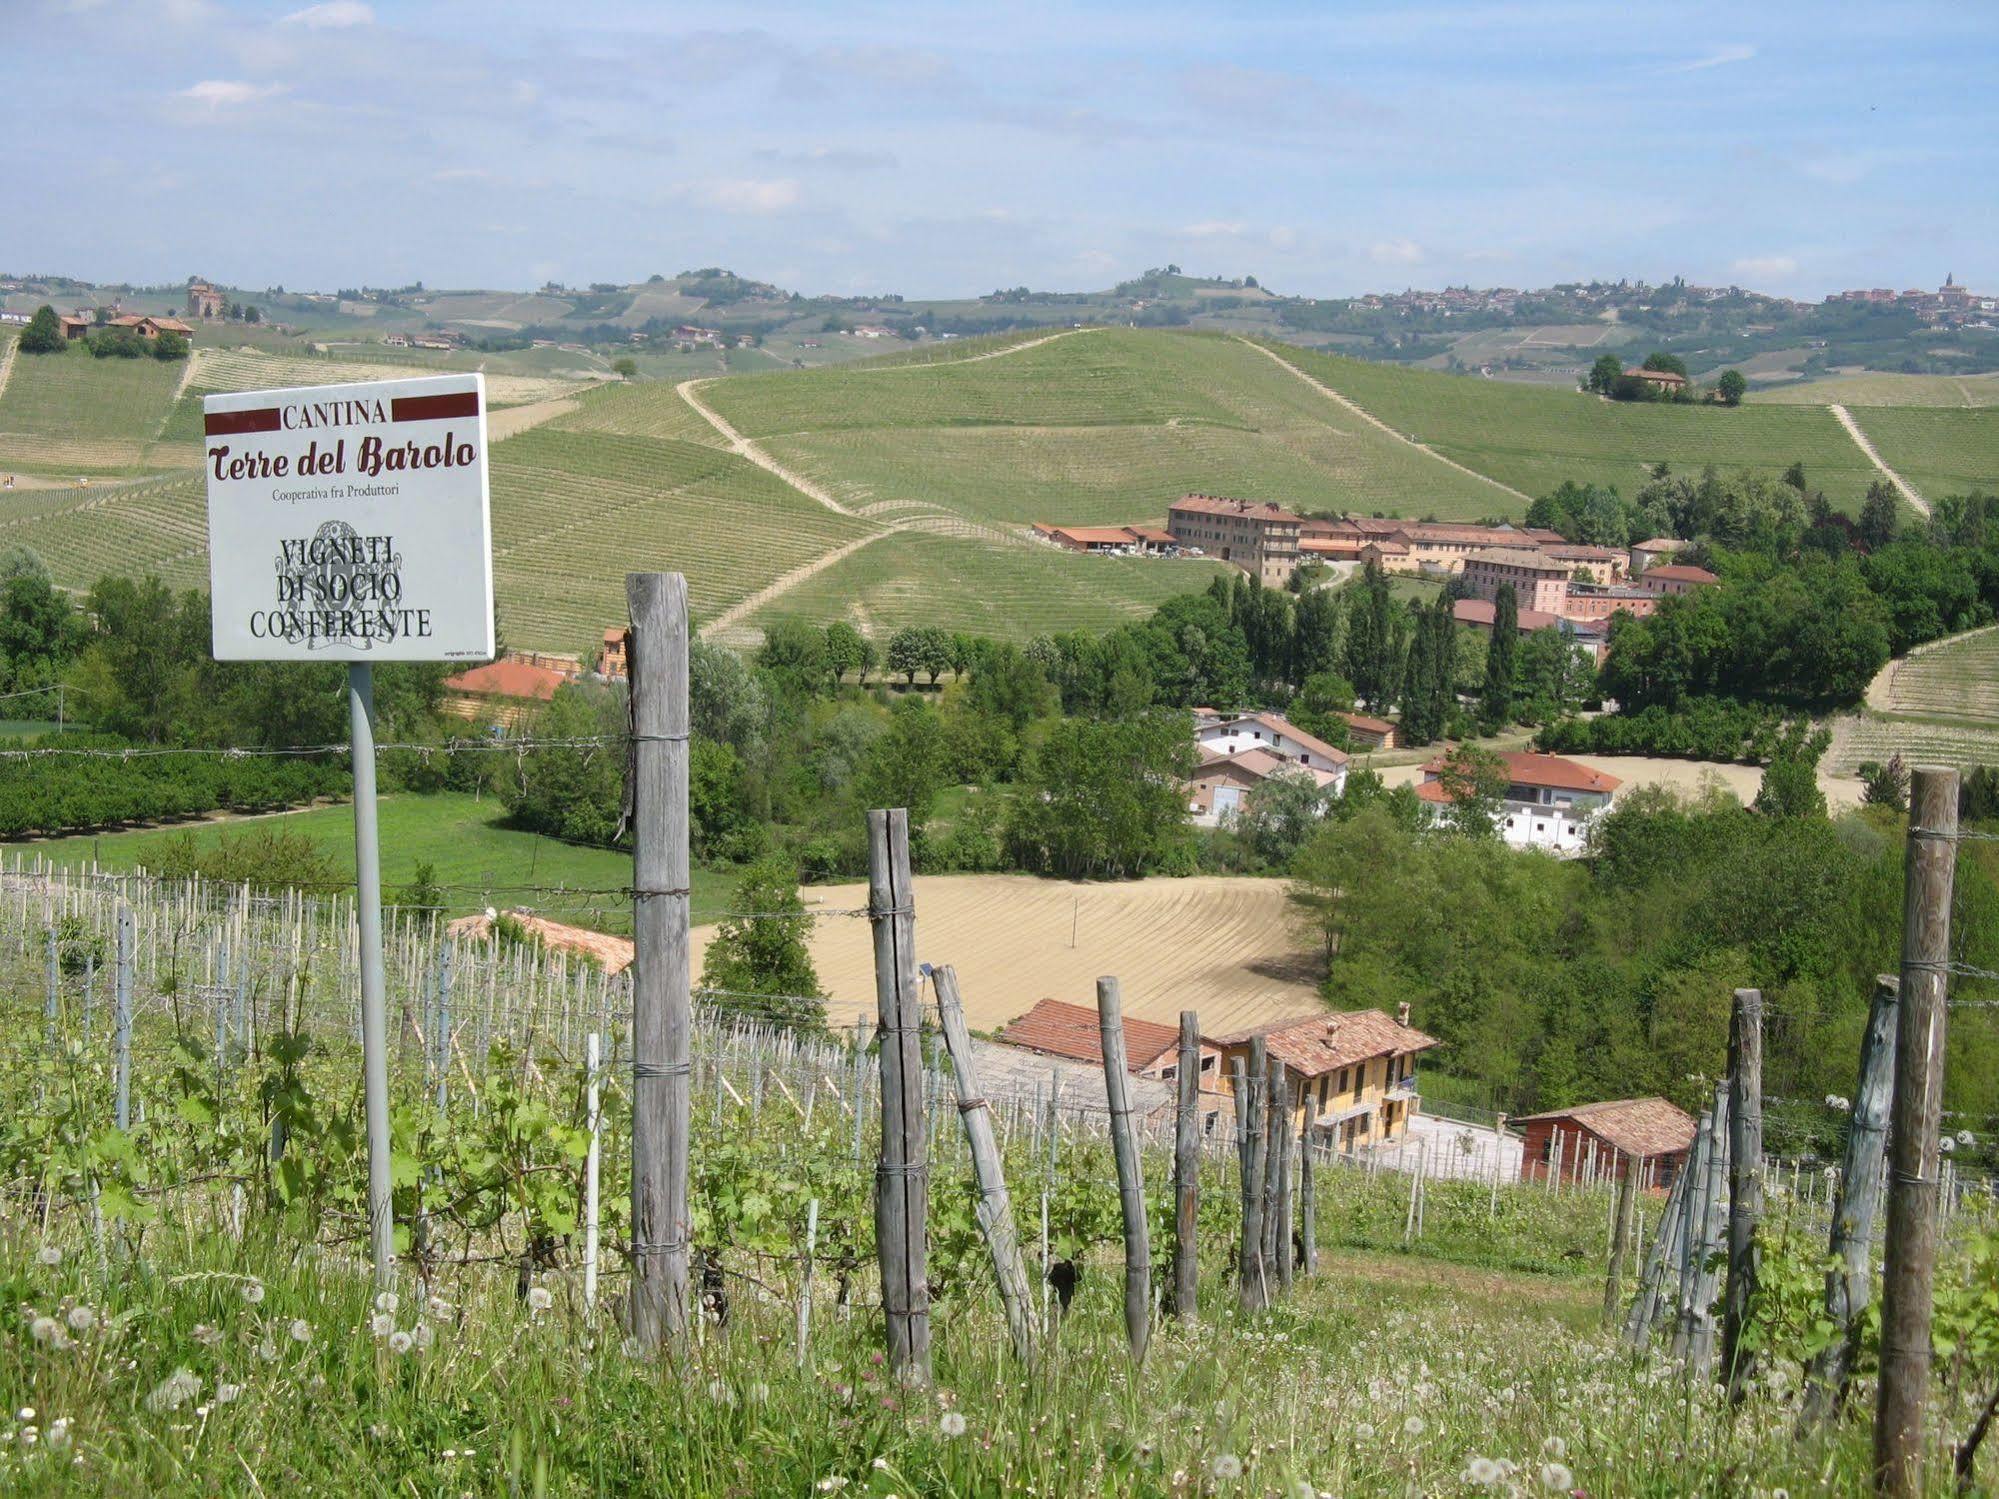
(1352, 1074)
(1549, 802)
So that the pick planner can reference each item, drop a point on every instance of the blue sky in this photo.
(937, 150)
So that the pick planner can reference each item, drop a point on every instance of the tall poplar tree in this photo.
(1495, 707)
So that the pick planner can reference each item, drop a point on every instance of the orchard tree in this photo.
(846, 650)
(1604, 375)
(1731, 387)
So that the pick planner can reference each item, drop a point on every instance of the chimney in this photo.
(1402, 1013)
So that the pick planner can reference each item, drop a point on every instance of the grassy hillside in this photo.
(74, 413)
(1100, 426)
(1875, 389)
(1940, 451)
(1533, 438)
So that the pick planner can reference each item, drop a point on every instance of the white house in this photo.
(1549, 802)
(1279, 736)
(1224, 786)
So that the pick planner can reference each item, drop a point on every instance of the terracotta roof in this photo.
(1116, 536)
(1680, 572)
(1261, 763)
(1368, 725)
(1639, 1126)
(612, 954)
(1485, 612)
(1263, 510)
(1149, 533)
(171, 325)
(1579, 553)
(1658, 544)
(1527, 768)
(1311, 1045)
(1377, 525)
(1662, 377)
(1546, 535)
(1460, 532)
(1515, 557)
(1388, 547)
(507, 679)
(1065, 1030)
(1279, 725)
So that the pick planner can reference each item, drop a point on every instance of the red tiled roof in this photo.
(1065, 1030)
(1485, 612)
(1284, 726)
(1663, 377)
(1528, 768)
(1521, 557)
(1263, 510)
(171, 325)
(507, 679)
(1116, 536)
(1368, 725)
(1311, 1045)
(1638, 1126)
(1680, 572)
(1658, 544)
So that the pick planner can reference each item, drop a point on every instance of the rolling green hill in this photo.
(899, 490)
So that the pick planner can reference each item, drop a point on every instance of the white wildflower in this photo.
(381, 1324)
(1965, 1137)
(25, 1413)
(227, 1393)
(205, 1335)
(81, 1319)
(1364, 1432)
(1227, 1467)
(253, 1292)
(48, 1330)
(387, 1301)
(438, 1307)
(540, 1298)
(1555, 1448)
(1413, 1426)
(48, 1254)
(400, 1342)
(267, 1351)
(174, 1391)
(301, 1330)
(1482, 1471)
(1555, 1476)
(423, 1335)
(951, 1423)
(831, 1483)
(58, 1433)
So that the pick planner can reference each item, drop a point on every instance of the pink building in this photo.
(1538, 583)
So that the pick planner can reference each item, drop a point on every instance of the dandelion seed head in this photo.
(424, 1335)
(540, 1298)
(1413, 1426)
(58, 1433)
(1227, 1467)
(387, 1301)
(952, 1424)
(80, 1319)
(205, 1335)
(49, 1254)
(301, 1330)
(225, 1394)
(381, 1324)
(1557, 1477)
(1555, 1448)
(253, 1292)
(401, 1342)
(1483, 1471)
(175, 1390)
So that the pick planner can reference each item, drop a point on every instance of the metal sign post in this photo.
(353, 523)
(374, 1002)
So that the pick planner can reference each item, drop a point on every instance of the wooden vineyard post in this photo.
(1283, 1255)
(662, 1013)
(1714, 1234)
(1745, 1186)
(995, 1207)
(902, 1175)
(1187, 1169)
(1308, 1203)
(1130, 1182)
(1276, 1136)
(1848, 1282)
(1622, 1216)
(1249, 1113)
(1908, 1261)
(1661, 1262)
(1688, 1241)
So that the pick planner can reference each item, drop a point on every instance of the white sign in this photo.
(351, 522)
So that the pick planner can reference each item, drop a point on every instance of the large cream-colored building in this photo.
(1258, 536)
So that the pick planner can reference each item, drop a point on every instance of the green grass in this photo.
(152, 525)
(1878, 389)
(462, 836)
(1533, 438)
(650, 408)
(1939, 450)
(72, 413)
(1014, 590)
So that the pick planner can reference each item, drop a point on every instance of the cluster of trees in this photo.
(44, 335)
(64, 793)
(1608, 377)
(1553, 982)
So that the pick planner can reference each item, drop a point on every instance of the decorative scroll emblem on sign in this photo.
(338, 586)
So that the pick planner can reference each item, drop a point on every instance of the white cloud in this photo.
(229, 93)
(1764, 267)
(1395, 252)
(752, 195)
(1716, 57)
(332, 15)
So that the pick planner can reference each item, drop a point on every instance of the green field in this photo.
(1533, 437)
(72, 413)
(650, 408)
(480, 862)
(1879, 389)
(1938, 450)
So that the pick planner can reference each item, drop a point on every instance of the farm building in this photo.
(1539, 582)
(205, 301)
(1664, 380)
(1056, 1028)
(1598, 564)
(614, 660)
(1352, 1074)
(1369, 733)
(1224, 786)
(151, 327)
(73, 327)
(1260, 537)
(1675, 577)
(1659, 549)
(1598, 601)
(1281, 737)
(508, 689)
(1589, 1137)
(1548, 803)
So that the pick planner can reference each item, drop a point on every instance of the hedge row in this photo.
(1700, 729)
(72, 793)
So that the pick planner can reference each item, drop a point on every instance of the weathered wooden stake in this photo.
(995, 1208)
(1498, 1156)
(1130, 1182)
(1687, 1245)
(902, 1177)
(1281, 1141)
(1250, 1103)
(1908, 1263)
(1745, 1186)
(1308, 1202)
(1276, 1136)
(1623, 1217)
(1713, 1236)
(1187, 1169)
(662, 1013)
(1849, 1283)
